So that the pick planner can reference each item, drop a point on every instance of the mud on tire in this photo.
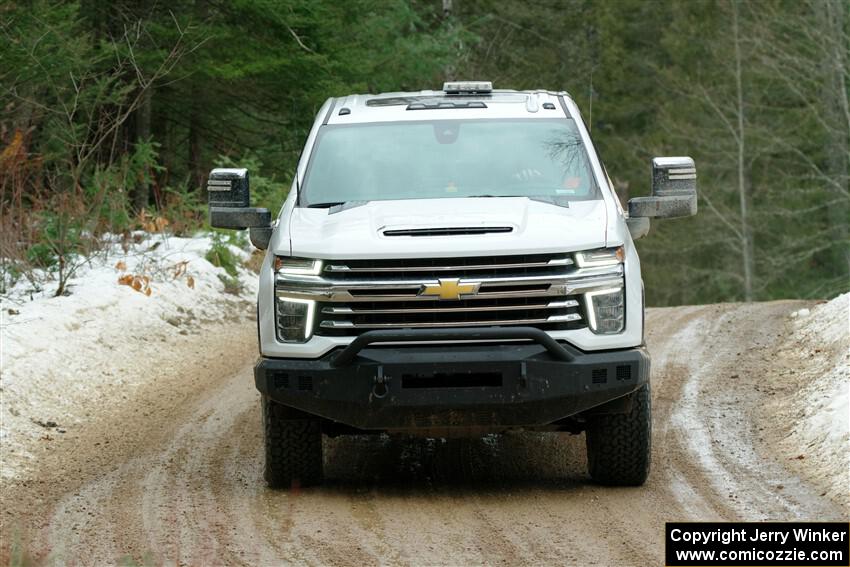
(619, 446)
(293, 447)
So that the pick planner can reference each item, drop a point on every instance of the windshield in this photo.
(449, 158)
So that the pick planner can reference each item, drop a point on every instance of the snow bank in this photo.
(60, 357)
(822, 340)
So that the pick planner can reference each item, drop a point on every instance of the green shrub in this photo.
(219, 255)
(40, 255)
(186, 210)
(108, 190)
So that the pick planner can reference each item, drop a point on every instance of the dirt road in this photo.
(173, 475)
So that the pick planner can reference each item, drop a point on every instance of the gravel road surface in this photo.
(173, 473)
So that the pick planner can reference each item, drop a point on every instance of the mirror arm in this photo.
(239, 218)
(663, 206)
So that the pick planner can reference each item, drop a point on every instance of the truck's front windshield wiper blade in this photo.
(492, 196)
(552, 200)
(337, 206)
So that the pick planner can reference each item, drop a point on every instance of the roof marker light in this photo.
(468, 87)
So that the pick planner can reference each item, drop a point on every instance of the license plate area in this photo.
(454, 377)
(451, 379)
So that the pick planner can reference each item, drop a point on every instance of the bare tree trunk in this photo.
(743, 190)
(141, 192)
(196, 170)
(831, 15)
(449, 67)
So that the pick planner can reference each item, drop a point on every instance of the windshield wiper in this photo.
(487, 196)
(337, 206)
(552, 200)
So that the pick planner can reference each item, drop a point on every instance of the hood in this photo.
(463, 227)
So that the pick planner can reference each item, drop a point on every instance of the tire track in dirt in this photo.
(730, 351)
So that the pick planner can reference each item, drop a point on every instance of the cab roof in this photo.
(443, 105)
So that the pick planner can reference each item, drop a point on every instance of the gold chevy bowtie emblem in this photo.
(450, 288)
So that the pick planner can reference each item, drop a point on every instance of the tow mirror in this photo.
(229, 202)
(674, 191)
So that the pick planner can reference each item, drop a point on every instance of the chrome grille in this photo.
(539, 290)
(474, 267)
(551, 314)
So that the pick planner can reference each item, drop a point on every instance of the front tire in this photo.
(619, 446)
(293, 447)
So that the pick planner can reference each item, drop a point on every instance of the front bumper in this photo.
(412, 386)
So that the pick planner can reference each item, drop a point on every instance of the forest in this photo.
(112, 112)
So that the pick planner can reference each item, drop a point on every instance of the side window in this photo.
(621, 198)
(621, 189)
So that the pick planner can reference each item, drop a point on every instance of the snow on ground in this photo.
(63, 357)
(821, 340)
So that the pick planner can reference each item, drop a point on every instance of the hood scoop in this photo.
(448, 231)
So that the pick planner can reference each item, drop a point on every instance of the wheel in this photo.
(619, 445)
(293, 446)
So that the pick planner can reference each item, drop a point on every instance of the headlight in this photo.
(606, 310)
(297, 266)
(295, 316)
(294, 319)
(600, 258)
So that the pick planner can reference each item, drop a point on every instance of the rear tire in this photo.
(293, 447)
(619, 446)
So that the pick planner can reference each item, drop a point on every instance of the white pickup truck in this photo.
(452, 263)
